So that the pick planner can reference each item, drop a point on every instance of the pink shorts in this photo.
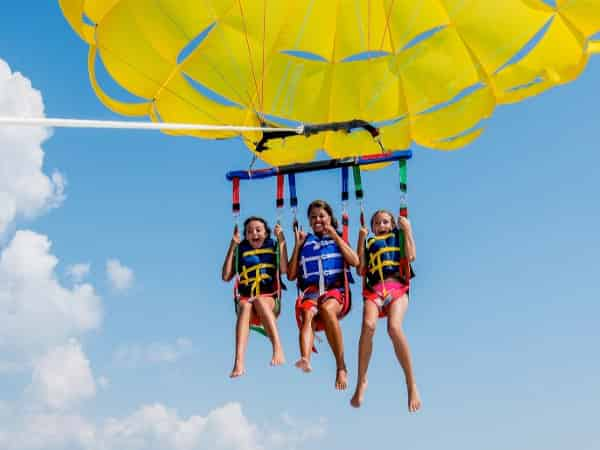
(384, 293)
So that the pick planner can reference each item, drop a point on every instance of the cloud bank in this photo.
(25, 191)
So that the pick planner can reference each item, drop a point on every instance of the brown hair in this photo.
(327, 207)
(383, 211)
(258, 219)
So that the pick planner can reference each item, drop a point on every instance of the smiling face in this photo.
(255, 233)
(318, 218)
(382, 223)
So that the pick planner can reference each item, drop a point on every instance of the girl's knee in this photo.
(329, 308)
(368, 327)
(395, 329)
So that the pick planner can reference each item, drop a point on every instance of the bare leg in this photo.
(395, 318)
(365, 348)
(264, 309)
(328, 312)
(307, 339)
(242, 330)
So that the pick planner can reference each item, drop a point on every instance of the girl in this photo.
(383, 259)
(319, 261)
(257, 302)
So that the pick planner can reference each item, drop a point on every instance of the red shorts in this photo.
(384, 293)
(254, 319)
(309, 300)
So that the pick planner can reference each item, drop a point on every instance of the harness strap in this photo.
(345, 195)
(293, 198)
(235, 203)
(279, 199)
(404, 262)
(358, 192)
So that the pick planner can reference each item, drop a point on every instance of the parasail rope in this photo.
(128, 125)
(258, 93)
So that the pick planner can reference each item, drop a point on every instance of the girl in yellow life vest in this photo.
(258, 262)
(383, 265)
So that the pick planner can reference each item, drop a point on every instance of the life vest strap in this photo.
(260, 277)
(244, 274)
(378, 253)
(383, 264)
(374, 239)
(259, 251)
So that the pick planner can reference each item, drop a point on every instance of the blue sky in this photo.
(503, 320)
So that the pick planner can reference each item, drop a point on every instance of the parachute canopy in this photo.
(426, 71)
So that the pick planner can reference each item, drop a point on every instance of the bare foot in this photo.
(414, 399)
(359, 394)
(278, 358)
(341, 379)
(238, 371)
(304, 365)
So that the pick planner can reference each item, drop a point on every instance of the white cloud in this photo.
(78, 272)
(48, 431)
(24, 189)
(156, 427)
(133, 355)
(120, 276)
(36, 311)
(292, 433)
(103, 382)
(63, 377)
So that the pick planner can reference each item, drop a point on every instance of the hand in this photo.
(279, 233)
(300, 236)
(329, 230)
(404, 224)
(363, 233)
(235, 239)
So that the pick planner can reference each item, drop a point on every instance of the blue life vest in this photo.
(321, 264)
(383, 256)
(257, 268)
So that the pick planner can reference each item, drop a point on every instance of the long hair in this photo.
(383, 211)
(259, 219)
(327, 207)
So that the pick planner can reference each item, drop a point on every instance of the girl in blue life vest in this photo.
(318, 262)
(254, 261)
(383, 259)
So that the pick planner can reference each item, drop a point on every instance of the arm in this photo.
(292, 269)
(360, 251)
(228, 271)
(409, 241)
(349, 255)
(283, 257)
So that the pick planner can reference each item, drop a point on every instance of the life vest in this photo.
(386, 258)
(321, 264)
(257, 268)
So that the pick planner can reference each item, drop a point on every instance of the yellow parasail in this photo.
(424, 71)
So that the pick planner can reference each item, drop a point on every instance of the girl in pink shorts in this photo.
(319, 262)
(254, 261)
(384, 265)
